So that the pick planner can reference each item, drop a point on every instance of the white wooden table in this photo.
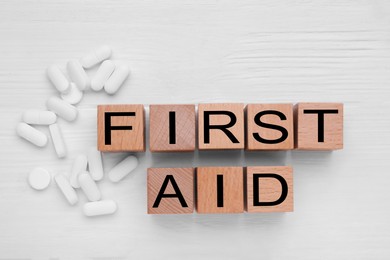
(191, 52)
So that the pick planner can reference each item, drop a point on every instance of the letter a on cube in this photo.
(170, 190)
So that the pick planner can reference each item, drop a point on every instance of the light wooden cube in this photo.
(310, 135)
(180, 137)
(220, 190)
(231, 137)
(127, 133)
(179, 182)
(269, 189)
(269, 127)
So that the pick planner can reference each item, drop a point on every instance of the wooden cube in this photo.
(269, 127)
(170, 190)
(121, 128)
(220, 190)
(221, 126)
(269, 189)
(172, 128)
(318, 126)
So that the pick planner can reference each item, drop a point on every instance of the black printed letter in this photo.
(270, 126)
(177, 194)
(108, 127)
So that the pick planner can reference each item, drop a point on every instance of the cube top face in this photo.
(319, 126)
(221, 126)
(267, 192)
(172, 128)
(121, 128)
(178, 181)
(269, 127)
(220, 190)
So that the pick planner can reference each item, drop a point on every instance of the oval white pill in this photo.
(95, 164)
(73, 96)
(58, 141)
(62, 108)
(123, 168)
(79, 166)
(96, 56)
(89, 187)
(64, 185)
(116, 79)
(39, 117)
(102, 75)
(39, 178)
(31, 134)
(58, 78)
(98, 208)
(77, 74)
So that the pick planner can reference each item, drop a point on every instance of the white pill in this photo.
(89, 187)
(77, 74)
(116, 80)
(58, 78)
(31, 134)
(95, 164)
(66, 189)
(98, 208)
(123, 168)
(58, 141)
(73, 96)
(39, 117)
(62, 108)
(96, 56)
(39, 178)
(102, 75)
(79, 166)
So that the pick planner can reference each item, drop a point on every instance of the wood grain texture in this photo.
(270, 189)
(218, 139)
(247, 51)
(307, 127)
(232, 190)
(159, 128)
(287, 122)
(183, 179)
(123, 140)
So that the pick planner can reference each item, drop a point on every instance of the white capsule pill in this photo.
(39, 178)
(58, 78)
(58, 141)
(116, 79)
(98, 208)
(79, 166)
(89, 187)
(102, 75)
(123, 168)
(73, 96)
(96, 56)
(66, 189)
(77, 74)
(62, 108)
(39, 117)
(31, 134)
(95, 164)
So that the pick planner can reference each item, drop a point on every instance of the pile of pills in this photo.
(86, 169)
